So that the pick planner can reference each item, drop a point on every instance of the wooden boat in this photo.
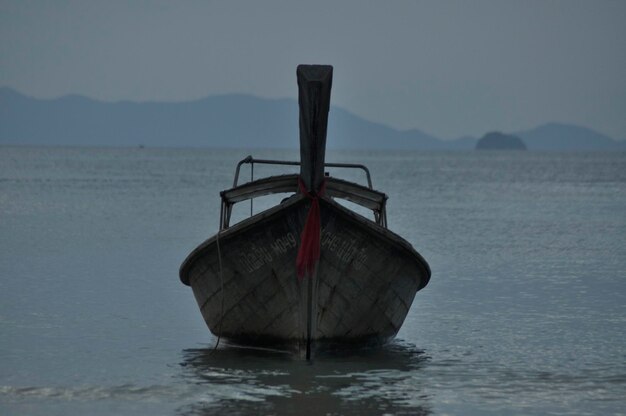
(308, 271)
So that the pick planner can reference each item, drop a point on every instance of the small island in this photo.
(500, 141)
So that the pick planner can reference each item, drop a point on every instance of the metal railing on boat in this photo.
(359, 194)
(250, 160)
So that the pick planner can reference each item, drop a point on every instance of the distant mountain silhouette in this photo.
(230, 121)
(557, 136)
(500, 141)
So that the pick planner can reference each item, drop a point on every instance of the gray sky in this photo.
(449, 68)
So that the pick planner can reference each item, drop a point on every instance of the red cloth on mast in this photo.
(309, 252)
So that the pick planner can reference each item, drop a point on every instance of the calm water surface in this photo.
(525, 313)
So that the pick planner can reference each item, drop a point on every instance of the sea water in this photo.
(525, 312)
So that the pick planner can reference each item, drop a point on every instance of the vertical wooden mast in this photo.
(314, 84)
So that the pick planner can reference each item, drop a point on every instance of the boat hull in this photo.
(245, 283)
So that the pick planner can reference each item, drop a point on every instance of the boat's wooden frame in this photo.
(244, 278)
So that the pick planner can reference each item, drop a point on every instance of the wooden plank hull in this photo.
(362, 290)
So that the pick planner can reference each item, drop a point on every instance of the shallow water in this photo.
(525, 312)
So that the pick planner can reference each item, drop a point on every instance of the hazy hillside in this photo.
(557, 136)
(231, 121)
(218, 121)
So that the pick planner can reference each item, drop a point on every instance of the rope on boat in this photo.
(309, 251)
(219, 260)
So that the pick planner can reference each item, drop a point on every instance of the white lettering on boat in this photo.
(284, 243)
(345, 250)
(255, 257)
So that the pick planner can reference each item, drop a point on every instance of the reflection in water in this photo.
(362, 382)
